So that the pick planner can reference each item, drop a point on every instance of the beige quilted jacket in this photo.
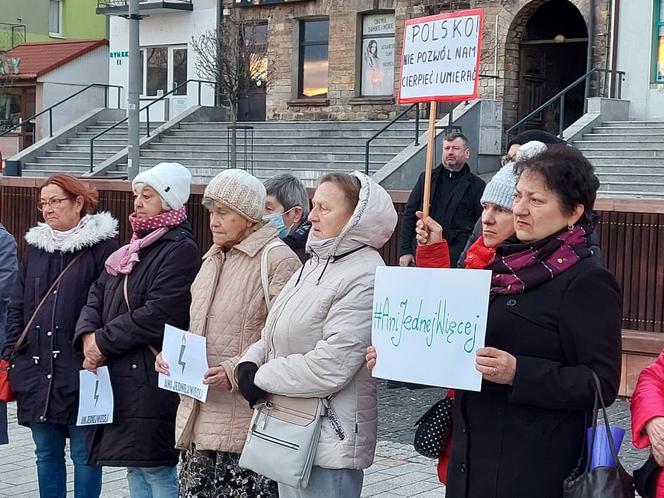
(228, 307)
(318, 330)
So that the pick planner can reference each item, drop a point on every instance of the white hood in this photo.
(372, 222)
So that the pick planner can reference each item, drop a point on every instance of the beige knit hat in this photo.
(239, 191)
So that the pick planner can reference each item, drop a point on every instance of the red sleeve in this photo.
(647, 401)
(433, 256)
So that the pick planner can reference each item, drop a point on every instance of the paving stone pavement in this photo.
(398, 471)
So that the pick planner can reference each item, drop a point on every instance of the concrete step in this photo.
(626, 132)
(655, 188)
(621, 139)
(631, 176)
(341, 154)
(609, 169)
(82, 147)
(293, 164)
(65, 155)
(74, 161)
(646, 143)
(296, 125)
(611, 124)
(279, 134)
(38, 169)
(626, 157)
(314, 143)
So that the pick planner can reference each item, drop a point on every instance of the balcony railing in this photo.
(11, 35)
(121, 7)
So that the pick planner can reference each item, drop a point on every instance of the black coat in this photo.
(143, 430)
(522, 441)
(44, 375)
(457, 212)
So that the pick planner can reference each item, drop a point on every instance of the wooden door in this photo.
(532, 83)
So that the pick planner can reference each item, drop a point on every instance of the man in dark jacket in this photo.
(455, 200)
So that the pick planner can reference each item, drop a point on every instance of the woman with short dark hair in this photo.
(64, 256)
(554, 319)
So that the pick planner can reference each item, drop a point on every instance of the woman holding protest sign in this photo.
(243, 271)
(554, 319)
(317, 332)
(145, 286)
(63, 257)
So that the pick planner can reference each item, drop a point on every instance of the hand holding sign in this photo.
(183, 363)
(95, 402)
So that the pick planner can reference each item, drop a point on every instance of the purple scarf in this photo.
(124, 259)
(517, 268)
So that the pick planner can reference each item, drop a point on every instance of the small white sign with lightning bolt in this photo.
(95, 400)
(186, 356)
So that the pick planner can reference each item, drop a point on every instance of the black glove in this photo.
(252, 393)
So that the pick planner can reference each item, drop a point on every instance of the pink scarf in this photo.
(124, 259)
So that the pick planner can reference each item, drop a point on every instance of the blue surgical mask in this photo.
(277, 220)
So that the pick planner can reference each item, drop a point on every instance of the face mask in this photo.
(277, 220)
(321, 244)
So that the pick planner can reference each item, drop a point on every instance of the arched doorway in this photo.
(548, 47)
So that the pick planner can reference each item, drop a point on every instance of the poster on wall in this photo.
(441, 57)
(378, 55)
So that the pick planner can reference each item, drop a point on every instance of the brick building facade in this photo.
(334, 45)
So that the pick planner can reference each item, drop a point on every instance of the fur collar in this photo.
(100, 227)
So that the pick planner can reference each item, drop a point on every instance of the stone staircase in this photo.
(73, 156)
(306, 149)
(628, 157)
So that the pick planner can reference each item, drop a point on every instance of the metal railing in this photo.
(11, 34)
(146, 108)
(388, 125)
(614, 91)
(49, 110)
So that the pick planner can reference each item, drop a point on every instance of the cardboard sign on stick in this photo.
(441, 57)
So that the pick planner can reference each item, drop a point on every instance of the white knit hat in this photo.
(500, 190)
(239, 191)
(171, 181)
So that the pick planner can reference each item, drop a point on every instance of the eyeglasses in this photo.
(506, 159)
(53, 203)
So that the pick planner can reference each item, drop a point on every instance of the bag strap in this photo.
(53, 286)
(265, 280)
(126, 296)
(600, 397)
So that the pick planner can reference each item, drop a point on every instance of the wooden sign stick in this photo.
(431, 154)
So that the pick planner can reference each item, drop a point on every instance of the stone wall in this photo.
(343, 101)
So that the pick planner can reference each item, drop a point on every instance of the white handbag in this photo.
(283, 435)
(283, 439)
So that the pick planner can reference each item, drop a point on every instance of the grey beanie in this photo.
(500, 190)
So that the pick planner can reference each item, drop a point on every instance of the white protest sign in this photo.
(428, 323)
(441, 57)
(186, 356)
(95, 397)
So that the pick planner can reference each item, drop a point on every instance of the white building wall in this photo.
(635, 58)
(165, 29)
(67, 80)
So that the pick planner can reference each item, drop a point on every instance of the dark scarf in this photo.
(518, 267)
